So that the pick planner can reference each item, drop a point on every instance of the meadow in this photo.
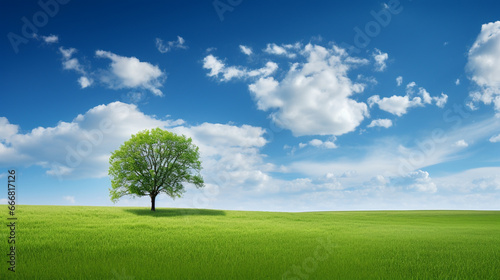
(73, 242)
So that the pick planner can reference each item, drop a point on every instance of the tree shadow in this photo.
(174, 212)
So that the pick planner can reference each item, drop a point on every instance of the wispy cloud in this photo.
(399, 81)
(165, 47)
(246, 50)
(72, 63)
(225, 73)
(381, 123)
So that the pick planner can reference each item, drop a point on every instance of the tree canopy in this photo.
(152, 162)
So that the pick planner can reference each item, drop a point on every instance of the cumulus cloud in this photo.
(441, 100)
(399, 105)
(380, 60)
(396, 105)
(84, 82)
(7, 130)
(51, 39)
(484, 64)
(170, 45)
(81, 148)
(381, 123)
(314, 97)
(225, 73)
(246, 50)
(495, 139)
(457, 82)
(230, 154)
(130, 72)
(461, 143)
(399, 80)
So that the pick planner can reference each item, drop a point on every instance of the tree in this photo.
(152, 162)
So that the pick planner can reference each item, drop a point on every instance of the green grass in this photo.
(60, 242)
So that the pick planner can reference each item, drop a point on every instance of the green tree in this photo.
(152, 162)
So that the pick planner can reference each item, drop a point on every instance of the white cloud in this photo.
(396, 105)
(246, 50)
(3, 201)
(380, 60)
(399, 105)
(461, 143)
(484, 179)
(421, 181)
(67, 53)
(409, 88)
(130, 72)
(495, 139)
(216, 135)
(51, 39)
(399, 80)
(390, 158)
(313, 98)
(457, 82)
(427, 99)
(218, 68)
(484, 64)
(72, 63)
(329, 144)
(166, 47)
(85, 82)
(381, 123)
(81, 148)
(7, 130)
(70, 199)
(230, 154)
(284, 50)
(440, 101)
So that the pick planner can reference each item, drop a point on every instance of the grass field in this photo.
(60, 242)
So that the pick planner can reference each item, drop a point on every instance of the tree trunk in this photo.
(153, 197)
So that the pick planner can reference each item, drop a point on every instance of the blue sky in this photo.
(296, 106)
